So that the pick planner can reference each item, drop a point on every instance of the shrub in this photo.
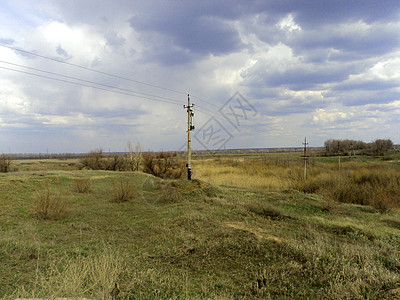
(93, 160)
(83, 185)
(122, 191)
(49, 205)
(163, 165)
(115, 162)
(5, 163)
(382, 201)
(148, 159)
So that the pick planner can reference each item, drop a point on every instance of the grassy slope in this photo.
(178, 239)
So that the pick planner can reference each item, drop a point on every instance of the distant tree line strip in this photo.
(354, 147)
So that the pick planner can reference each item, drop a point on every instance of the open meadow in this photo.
(248, 226)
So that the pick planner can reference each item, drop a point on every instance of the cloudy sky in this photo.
(81, 75)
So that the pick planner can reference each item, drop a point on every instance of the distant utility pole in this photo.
(305, 158)
(190, 128)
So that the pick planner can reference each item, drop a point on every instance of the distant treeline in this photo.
(43, 156)
(353, 147)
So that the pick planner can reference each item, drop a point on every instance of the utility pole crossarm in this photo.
(190, 112)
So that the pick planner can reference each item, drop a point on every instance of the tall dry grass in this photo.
(376, 184)
(94, 275)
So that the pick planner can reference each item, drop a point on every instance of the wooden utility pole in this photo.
(305, 158)
(190, 128)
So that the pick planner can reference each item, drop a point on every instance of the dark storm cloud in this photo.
(356, 97)
(350, 43)
(203, 34)
(312, 13)
(367, 85)
(192, 32)
(300, 76)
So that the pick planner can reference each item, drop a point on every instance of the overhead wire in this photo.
(122, 91)
(92, 70)
(90, 86)
(110, 88)
(101, 72)
(91, 82)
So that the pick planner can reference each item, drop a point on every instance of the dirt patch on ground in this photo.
(257, 231)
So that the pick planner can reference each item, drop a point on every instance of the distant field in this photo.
(249, 226)
(359, 180)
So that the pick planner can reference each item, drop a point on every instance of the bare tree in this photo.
(138, 156)
(135, 156)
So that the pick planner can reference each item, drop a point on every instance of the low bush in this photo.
(5, 163)
(163, 165)
(123, 191)
(49, 205)
(94, 160)
(116, 162)
(382, 201)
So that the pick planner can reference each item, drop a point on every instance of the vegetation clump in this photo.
(83, 185)
(49, 205)
(161, 164)
(123, 191)
(5, 163)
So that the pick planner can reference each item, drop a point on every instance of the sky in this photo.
(82, 75)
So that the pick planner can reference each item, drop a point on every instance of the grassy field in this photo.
(247, 227)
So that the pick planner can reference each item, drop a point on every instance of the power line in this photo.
(88, 81)
(92, 70)
(90, 86)
(102, 72)
(121, 90)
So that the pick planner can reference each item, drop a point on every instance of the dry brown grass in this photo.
(232, 173)
(373, 183)
(75, 278)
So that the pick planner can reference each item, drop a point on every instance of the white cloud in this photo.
(331, 116)
(288, 23)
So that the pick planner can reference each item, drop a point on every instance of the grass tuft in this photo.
(265, 210)
(83, 185)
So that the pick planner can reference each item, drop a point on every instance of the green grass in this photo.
(179, 239)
